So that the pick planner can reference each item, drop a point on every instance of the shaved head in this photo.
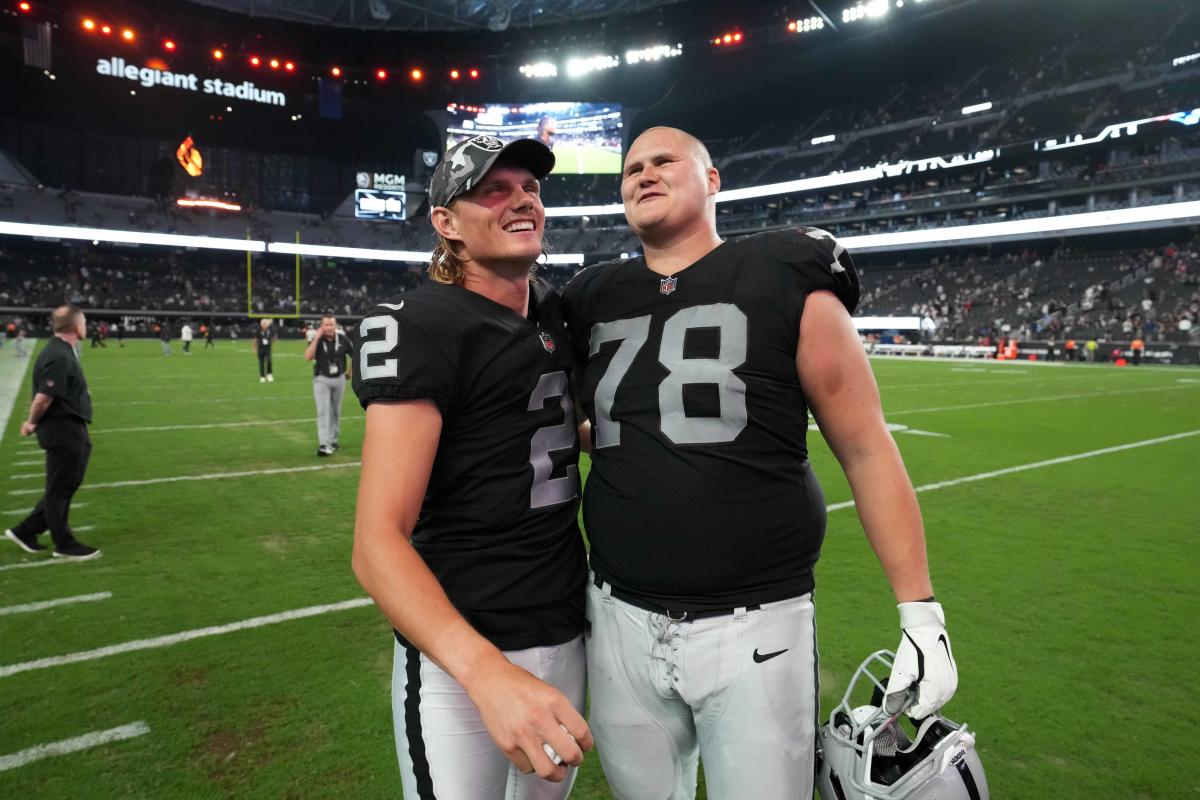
(697, 146)
(669, 188)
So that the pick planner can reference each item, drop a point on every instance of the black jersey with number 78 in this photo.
(700, 496)
(498, 525)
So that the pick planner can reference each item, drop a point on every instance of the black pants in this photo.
(68, 448)
(264, 363)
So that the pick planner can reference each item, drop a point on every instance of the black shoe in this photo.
(76, 550)
(336, 446)
(27, 543)
(324, 452)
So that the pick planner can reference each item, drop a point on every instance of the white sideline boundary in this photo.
(982, 476)
(184, 636)
(1022, 400)
(10, 385)
(68, 746)
(212, 476)
(27, 608)
(1039, 364)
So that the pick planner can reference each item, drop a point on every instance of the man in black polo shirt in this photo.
(330, 350)
(60, 413)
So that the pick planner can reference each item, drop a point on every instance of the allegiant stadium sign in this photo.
(150, 77)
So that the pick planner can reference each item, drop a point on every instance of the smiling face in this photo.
(668, 185)
(499, 222)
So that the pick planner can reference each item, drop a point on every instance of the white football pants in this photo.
(444, 749)
(738, 691)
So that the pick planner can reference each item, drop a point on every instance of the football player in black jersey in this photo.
(699, 363)
(466, 533)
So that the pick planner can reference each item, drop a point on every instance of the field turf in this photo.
(585, 159)
(1070, 587)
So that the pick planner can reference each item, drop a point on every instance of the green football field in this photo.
(585, 159)
(1063, 526)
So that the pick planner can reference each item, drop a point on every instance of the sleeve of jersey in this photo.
(53, 380)
(398, 357)
(818, 261)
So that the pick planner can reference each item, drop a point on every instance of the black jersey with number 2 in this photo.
(700, 496)
(498, 525)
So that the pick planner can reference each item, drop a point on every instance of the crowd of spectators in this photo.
(1152, 293)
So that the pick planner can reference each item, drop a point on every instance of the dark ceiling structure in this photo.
(435, 15)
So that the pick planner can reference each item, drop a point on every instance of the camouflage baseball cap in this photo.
(467, 162)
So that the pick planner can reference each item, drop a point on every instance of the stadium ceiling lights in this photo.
(542, 69)
(806, 25)
(577, 67)
(873, 9)
(655, 53)
(978, 107)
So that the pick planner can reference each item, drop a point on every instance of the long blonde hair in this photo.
(449, 267)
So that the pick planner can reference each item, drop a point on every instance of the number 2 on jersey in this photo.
(674, 421)
(547, 491)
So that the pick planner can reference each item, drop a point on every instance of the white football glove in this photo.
(924, 670)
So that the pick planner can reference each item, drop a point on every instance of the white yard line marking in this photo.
(204, 426)
(62, 601)
(184, 636)
(33, 463)
(999, 365)
(212, 476)
(27, 510)
(48, 562)
(24, 476)
(1079, 396)
(83, 528)
(68, 746)
(982, 476)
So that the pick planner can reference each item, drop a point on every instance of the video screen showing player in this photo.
(585, 137)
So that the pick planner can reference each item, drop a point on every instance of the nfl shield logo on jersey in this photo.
(667, 285)
(547, 341)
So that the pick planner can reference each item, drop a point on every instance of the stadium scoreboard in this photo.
(380, 196)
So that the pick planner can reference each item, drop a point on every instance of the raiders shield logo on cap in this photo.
(547, 341)
(667, 285)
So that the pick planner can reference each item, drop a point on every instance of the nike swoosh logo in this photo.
(761, 657)
(395, 307)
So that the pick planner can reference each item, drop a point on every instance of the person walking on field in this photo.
(330, 352)
(59, 414)
(262, 348)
